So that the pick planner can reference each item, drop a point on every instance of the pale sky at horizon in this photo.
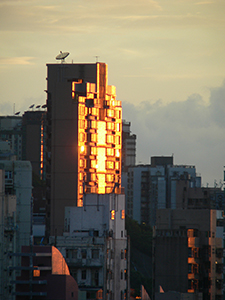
(165, 57)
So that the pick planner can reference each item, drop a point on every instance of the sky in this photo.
(165, 57)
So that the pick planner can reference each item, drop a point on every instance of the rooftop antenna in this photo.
(61, 56)
(96, 57)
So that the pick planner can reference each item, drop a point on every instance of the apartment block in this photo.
(188, 252)
(84, 137)
(95, 246)
(155, 186)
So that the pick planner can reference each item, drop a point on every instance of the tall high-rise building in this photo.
(84, 135)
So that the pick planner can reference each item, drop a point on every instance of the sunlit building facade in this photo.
(84, 136)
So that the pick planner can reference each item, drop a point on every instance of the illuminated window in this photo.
(117, 140)
(82, 149)
(93, 151)
(81, 189)
(122, 214)
(94, 137)
(81, 176)
(110, 152)
(109, 177)
(94, 111)
(109, 125)
(93, 177)
(117, 153)
(117, 165)
(101, 132)
(112, 214)
(101, 183)
(81, 109)
(82, 124)
(93, 124)
(82, 163)
(110, 113)
(117, 114)
(93, 163)
(110, 138)
(36, 273)
(118, 126)
(82, 136)
(110, 165)
(101, 158)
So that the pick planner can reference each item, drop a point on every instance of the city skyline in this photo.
(165, 58)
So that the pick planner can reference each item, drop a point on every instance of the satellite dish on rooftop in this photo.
(17, 113)
(62, 55)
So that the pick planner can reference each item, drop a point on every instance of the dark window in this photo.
(189, 252)
(83, 274)
(189, 268)
(84, 253)
(95, 253)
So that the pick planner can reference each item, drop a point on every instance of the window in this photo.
(110, 152)
(121, 233)
(117, 140)
(117, 165)
(94, 277)
(122, 254)
(81, 109)
(190, 252)
(84, 254)
(93, 151)
(93, 124)
(93, 163)
(189, 268)
(112, 214)
(110, 138)
(95, 253)
(110, 113)
(121, 274)
(109, 177)
(110, 165)
(74, 253)
(83, 274)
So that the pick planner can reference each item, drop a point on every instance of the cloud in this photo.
(217, 105)
(16, 60)
(86, 16)
(192, 130)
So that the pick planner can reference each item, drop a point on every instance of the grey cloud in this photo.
(217, 105)
(191, 129)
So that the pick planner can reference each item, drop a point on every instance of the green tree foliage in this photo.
(140, 244)
(140, 236)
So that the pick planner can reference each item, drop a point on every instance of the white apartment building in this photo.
(95, 246)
